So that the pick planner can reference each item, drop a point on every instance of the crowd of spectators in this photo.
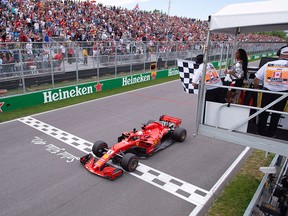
(106, 29)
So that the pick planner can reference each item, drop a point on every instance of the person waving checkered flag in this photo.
(186, 71)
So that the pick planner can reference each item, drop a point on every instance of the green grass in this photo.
(236, 195)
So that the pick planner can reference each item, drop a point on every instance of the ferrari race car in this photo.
(153, 136)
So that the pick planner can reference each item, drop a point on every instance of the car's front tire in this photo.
(99, 148)
(129, 162)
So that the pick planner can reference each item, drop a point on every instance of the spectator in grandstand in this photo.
(110, 21)
(17, 66)
(46, 38)
(111, 27)
(235, 76)
(213, 93)
(63, 50)
(39, 59)
(28, 48)
(58, 58)
(274, 77)
(45, 61)
(95, 50)
(70, 54)
(29, 65)
(85, 56)
(9, 61)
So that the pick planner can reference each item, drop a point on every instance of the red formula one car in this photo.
(153, 136)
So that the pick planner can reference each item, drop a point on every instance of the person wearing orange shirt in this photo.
(274, 75)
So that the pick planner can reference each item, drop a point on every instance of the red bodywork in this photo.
(105, 171)
(148, 138)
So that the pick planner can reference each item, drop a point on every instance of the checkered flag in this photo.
(186, 72)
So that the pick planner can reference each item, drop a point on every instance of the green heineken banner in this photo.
(48, 96)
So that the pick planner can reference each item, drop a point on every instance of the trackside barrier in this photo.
(256, 200)
(57, 94)
(44, 64)
(46, 96)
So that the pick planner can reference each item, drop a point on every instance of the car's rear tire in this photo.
(179, 134)
(99, 148)
(129, 162)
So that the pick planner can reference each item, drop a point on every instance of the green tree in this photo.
(280, 34)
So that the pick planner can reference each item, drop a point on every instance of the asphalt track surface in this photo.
(41, 174)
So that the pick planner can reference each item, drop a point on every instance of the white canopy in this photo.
(251, 17)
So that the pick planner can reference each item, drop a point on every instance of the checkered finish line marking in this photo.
(61, 135)
(186, 191)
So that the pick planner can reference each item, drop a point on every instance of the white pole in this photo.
(167, 26)
(202, 90)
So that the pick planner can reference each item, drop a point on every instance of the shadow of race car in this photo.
(152, 137)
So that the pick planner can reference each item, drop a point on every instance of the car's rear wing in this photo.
(174, 120)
